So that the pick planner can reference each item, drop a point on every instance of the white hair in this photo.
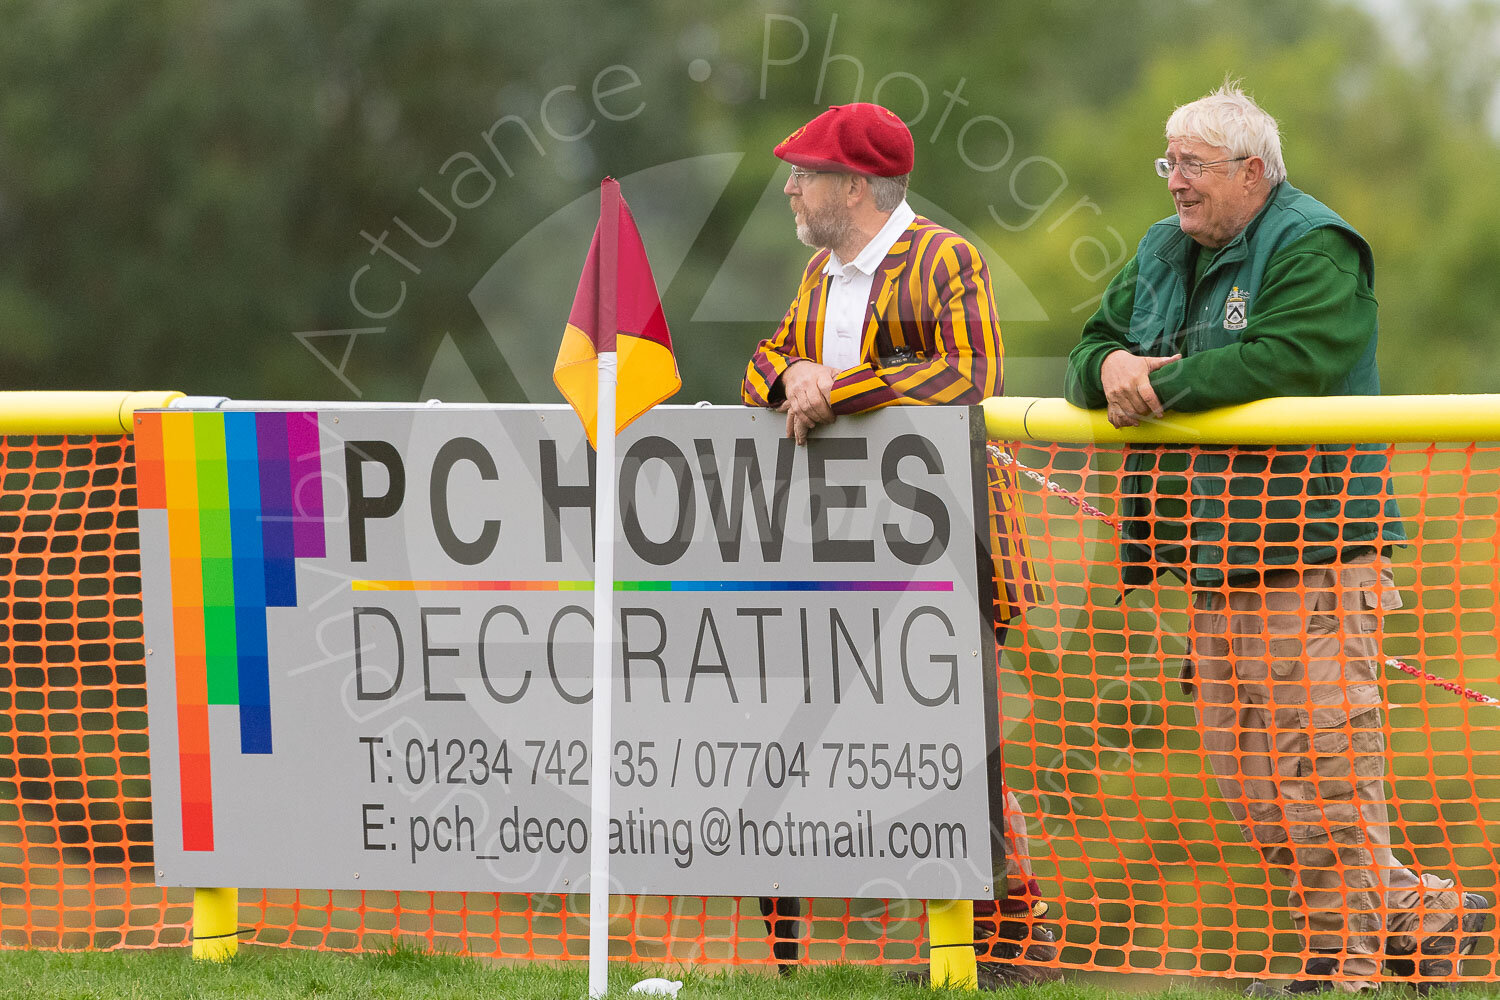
(888, 192)
(1229, 118)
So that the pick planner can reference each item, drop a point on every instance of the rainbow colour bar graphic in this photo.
(243, 495)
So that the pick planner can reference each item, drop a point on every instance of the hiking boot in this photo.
(1007, 930)
(1475, 921)
(1007, 937)
(1318, 965)
(993, 975)
(1003, 975)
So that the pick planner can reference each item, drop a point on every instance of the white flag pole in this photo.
(604, 602)
(604, 590)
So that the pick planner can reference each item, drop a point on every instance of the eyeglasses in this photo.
(1190, 169)
(799, 175)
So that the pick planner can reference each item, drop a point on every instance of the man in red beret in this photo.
(894, 309)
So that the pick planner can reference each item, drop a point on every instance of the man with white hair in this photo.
(1255, 289)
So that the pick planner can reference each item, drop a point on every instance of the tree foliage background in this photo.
(193, 192)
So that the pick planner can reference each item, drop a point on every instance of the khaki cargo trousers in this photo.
(1284, 681)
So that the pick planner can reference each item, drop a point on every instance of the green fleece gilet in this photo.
(1286, 308)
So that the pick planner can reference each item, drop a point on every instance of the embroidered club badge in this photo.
(1235, 309)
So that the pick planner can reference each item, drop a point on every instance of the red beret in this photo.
(864, 138)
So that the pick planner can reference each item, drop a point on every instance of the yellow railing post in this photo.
(950, 948)
(216, 919)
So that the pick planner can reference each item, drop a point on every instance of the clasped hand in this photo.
(1128, 392)
(806, 385)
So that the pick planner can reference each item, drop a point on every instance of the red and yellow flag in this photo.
(617, 309)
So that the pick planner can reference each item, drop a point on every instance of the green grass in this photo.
(408, 974)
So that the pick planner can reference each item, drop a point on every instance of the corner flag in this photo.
(616, 295)
(615, 363)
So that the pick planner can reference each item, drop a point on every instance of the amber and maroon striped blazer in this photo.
(931, 336)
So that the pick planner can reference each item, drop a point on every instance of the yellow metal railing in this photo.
(76, 412)
(1283, 420)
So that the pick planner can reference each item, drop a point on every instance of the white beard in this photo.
(826, 230)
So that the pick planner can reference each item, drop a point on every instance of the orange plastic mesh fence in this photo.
(1139, 858)
(75, 796)
(1145, 858)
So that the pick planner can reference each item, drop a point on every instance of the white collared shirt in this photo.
(849, 292)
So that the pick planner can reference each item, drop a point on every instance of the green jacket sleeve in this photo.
(1104, 333)
(1314, 318)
